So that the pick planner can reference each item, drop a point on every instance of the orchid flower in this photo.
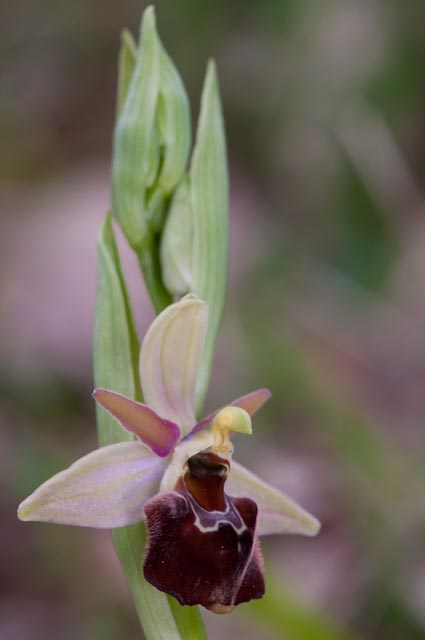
(203, 543)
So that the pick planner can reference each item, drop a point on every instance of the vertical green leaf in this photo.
(116, 346)
(194, 243)
(116, 352)
(209, 201)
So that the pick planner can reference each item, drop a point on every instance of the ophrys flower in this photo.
(203, 543)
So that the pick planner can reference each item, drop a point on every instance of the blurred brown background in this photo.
(324, 105)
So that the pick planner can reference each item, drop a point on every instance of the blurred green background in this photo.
(325, 115)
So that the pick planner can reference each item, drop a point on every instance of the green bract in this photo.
(177, 242)
(194, 252)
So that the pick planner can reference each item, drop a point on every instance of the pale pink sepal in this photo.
(158, 434)
(169, 360)
(106, 488)
(277, 513)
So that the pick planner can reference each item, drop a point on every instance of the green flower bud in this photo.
(152, 133)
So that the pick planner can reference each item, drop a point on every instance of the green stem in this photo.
(149, 262)
(188, 620)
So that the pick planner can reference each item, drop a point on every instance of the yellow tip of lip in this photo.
(221, 608)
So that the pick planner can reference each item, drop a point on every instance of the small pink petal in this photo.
(251, 402)
(158, 434)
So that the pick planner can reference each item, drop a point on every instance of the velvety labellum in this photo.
(202, 546)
